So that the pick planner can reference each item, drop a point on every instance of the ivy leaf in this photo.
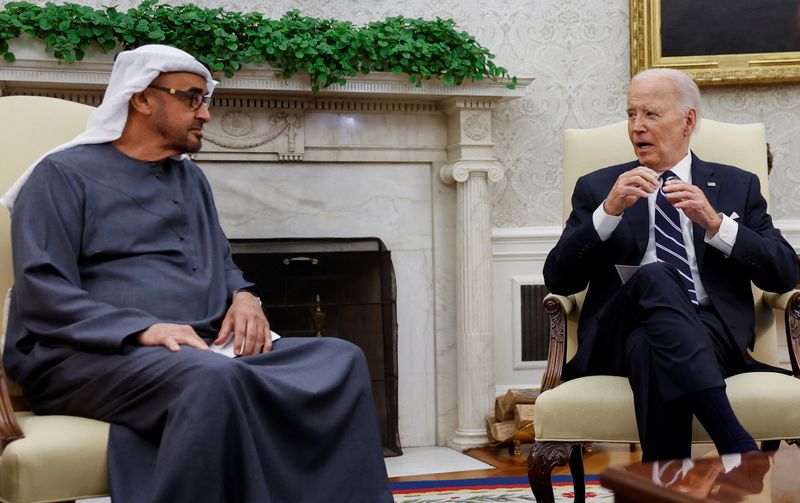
(326, 49)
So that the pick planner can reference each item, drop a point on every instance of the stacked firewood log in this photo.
(512, 421)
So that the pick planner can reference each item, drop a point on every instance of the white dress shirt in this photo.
(724, 240)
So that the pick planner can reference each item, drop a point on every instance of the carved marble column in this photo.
(471, 168)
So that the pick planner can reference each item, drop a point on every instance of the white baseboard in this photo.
(791, 231)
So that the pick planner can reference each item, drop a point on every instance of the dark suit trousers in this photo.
(668, 348)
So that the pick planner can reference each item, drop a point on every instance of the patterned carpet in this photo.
(501, 489)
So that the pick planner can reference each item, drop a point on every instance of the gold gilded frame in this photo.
(752, 68)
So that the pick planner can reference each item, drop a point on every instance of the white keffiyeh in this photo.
(133, 71)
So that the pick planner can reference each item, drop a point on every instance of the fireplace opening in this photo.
(333, 287)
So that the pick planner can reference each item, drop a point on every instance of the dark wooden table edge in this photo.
(630, 488)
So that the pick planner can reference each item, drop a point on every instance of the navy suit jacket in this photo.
(760, 254)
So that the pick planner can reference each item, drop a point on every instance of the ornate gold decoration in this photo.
(710, 70)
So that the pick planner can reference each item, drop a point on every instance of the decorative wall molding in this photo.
(365, 106)
(237, 130)
(477, 126)
(791, 231)
(92, 98)
(34, 69)
(512, 244)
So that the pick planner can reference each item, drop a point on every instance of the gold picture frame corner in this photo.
(751, 68)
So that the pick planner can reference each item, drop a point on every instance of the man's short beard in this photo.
(193, 149)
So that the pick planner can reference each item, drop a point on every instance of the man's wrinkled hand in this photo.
(694, 204)
(171, 335)
(630, 187)
(246, 321)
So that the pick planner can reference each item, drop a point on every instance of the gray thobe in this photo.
(105, 246)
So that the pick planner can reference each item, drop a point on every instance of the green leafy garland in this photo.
(329, 51)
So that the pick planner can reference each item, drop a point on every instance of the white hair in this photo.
(686, 90)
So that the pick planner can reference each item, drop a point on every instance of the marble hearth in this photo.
(376, 157)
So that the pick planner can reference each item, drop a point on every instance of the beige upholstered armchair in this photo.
(44, 458)
(600, 408)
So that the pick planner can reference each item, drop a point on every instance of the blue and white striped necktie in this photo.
(670, 247)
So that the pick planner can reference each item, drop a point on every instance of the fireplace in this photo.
(341, 288)
(377, 156)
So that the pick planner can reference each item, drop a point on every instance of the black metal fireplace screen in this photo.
(333, 288)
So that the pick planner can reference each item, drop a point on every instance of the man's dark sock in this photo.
(713, 410)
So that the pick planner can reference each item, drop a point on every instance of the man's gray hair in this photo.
(686, 89)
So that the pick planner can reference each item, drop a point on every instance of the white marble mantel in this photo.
(374, 157)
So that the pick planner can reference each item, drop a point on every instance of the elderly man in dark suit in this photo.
(700, 233)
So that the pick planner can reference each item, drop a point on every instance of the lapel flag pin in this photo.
(712, 184)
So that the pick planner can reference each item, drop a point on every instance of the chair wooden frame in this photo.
(9, 428)
(545, 456)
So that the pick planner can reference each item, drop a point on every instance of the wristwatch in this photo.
(252, 290)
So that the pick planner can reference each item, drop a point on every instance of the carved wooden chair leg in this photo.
(770, 445)
(543, 458)
(578, 477)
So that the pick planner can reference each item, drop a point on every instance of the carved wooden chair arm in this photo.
(557, 308)
(789, 303)
(9, 428)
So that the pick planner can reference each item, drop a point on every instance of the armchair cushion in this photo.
(600, 409)
(61, 457)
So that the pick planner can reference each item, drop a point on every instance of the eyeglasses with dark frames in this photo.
(196, 99)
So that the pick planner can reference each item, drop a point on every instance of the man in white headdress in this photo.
(123, 278)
